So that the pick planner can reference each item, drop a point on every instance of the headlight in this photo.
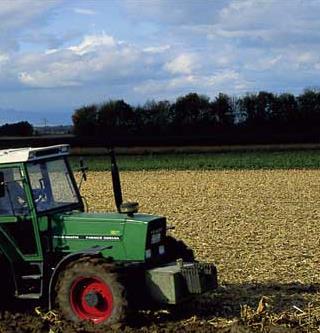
(148, 254)
(155, 238)
(161, 249)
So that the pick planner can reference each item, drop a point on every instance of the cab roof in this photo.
(32, 154)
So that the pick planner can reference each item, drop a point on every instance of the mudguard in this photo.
(93, 251)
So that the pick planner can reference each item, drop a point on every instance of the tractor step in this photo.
(29, 296)
(31, 277)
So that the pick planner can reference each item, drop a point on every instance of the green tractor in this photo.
(90, 266)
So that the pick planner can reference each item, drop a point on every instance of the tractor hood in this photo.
(76, 231)
(98, 224)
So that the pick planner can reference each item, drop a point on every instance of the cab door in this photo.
(18, 221)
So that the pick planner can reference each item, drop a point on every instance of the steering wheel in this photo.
(39, 195)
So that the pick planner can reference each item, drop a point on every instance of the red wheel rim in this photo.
(91, 299)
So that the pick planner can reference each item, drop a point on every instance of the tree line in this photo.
(193, 115)
(22, 128)
(198, 115)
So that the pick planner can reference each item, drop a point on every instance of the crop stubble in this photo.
(259, 227)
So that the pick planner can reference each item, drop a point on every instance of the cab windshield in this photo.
(51, 184)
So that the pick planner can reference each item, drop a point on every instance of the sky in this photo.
(58, 55)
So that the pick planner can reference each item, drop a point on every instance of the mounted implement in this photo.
(91, 266)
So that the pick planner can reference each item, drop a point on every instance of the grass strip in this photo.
(218, 161)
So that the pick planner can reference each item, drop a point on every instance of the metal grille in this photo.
(200, 277)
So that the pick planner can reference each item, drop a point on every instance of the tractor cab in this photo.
(34, 182)
(46, 171)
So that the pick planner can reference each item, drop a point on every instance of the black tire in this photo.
(89, 292)
(176, 249)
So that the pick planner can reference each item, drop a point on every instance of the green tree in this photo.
(188, 112)
(22, 128)
(116, 117)
(223, 109)
(309, 108)
(257, 108)
(85, 121)
(284, 111)
(154, 117)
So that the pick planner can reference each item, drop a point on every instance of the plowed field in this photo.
(261, 229)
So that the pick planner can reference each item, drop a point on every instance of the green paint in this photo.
(126, 235)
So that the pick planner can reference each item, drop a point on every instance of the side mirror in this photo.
(2, 185)
(83, 169)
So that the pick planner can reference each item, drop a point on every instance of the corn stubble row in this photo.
(261, 228)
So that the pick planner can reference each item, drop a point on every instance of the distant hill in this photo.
(35, 118)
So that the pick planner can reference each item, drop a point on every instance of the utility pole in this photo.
(45, 122)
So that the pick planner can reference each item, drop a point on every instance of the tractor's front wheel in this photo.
(88, 290)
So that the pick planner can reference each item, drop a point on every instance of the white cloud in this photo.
(306, 57)
(92, 43)
(157, 49)
(263, 63)
(51, 51)
(273, 22)
(84, 11)
(303, 60)
(228, 81)
(182, 64)
(39, 79)
(181, 81)
(95, 58)
(4, 65)
(4, 58)
(224, 76)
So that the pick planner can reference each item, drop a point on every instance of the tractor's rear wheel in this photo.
(88, 290)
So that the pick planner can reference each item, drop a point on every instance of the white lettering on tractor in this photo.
(86, 237)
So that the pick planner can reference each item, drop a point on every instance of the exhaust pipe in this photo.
(116, 181)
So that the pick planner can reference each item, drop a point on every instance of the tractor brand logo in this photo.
(103, 237)
(88, 237)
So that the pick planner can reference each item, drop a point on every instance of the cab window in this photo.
(51, 185)
(13, 202)
(13, 199)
